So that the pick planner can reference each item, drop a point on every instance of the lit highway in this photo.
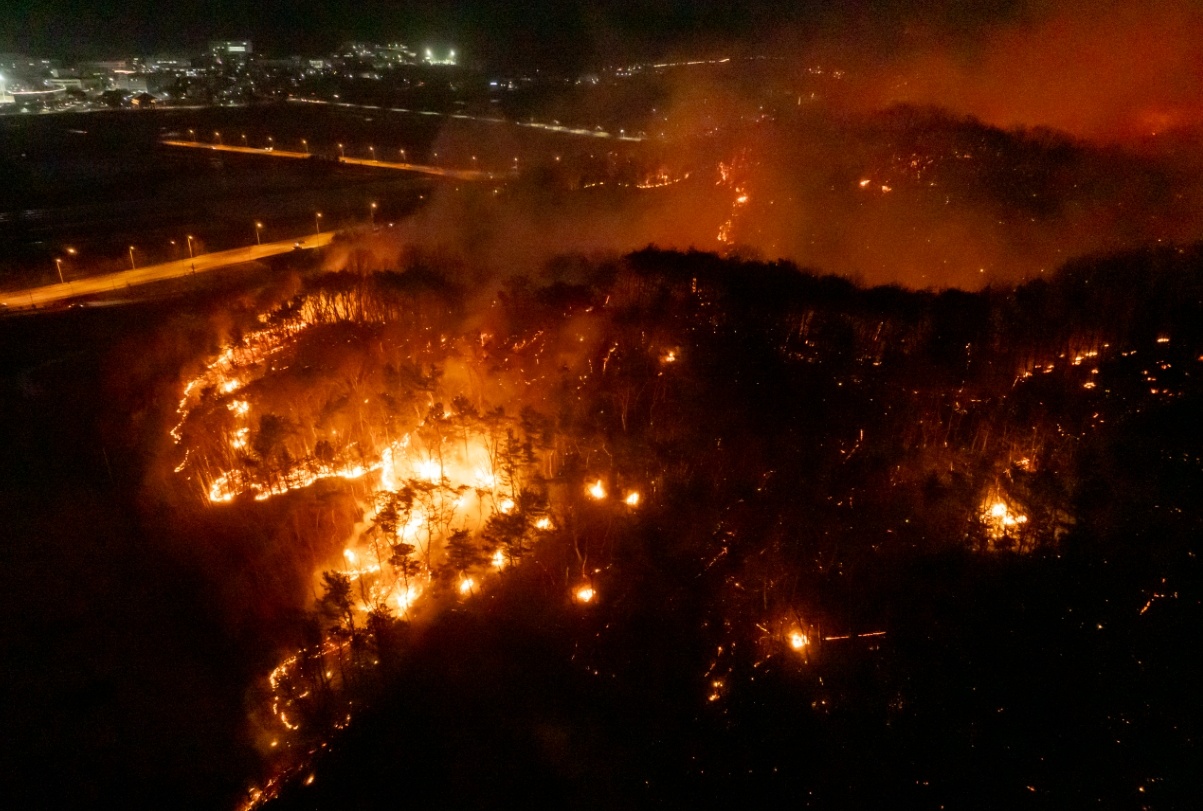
(246, 150)
(554, 126)
(457, 174)
(438, 171)
(93, 285)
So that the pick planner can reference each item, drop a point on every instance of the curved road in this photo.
(92, 285)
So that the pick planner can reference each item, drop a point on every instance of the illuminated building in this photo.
(429, 57)
(231, 52)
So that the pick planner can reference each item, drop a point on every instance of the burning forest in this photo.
(713, 426)
(746, 445)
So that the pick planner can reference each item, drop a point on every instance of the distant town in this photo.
(229, 72)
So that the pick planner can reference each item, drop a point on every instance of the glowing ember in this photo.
(584, 594)
(498, 559)
(798, 640)
(632, 499)
(466, 585)
(716, 691)
(543, 523)
(597, 490)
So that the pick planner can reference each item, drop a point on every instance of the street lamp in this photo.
(372, 149)
(191, 258)
(258, 228)
(217, 135)
(132, 266)
(403, 158)
(271, 143)
(372, 211)
(58, 263)
(244, 143)
(192, 133)
(341, 153)
(317, 223)
(305, 144)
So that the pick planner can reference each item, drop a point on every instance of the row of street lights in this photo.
(342, 151)
(132, 248)
(317, 225)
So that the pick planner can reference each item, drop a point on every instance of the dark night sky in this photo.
(546, 32)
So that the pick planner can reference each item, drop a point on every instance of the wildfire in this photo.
(1000, 520)
(428, 470)
(660, 179)
(727, 177)
(447, 476)
(233, 483)
(407, 597)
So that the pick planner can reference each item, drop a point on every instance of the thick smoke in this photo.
(1110, 70)
(955, 151)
